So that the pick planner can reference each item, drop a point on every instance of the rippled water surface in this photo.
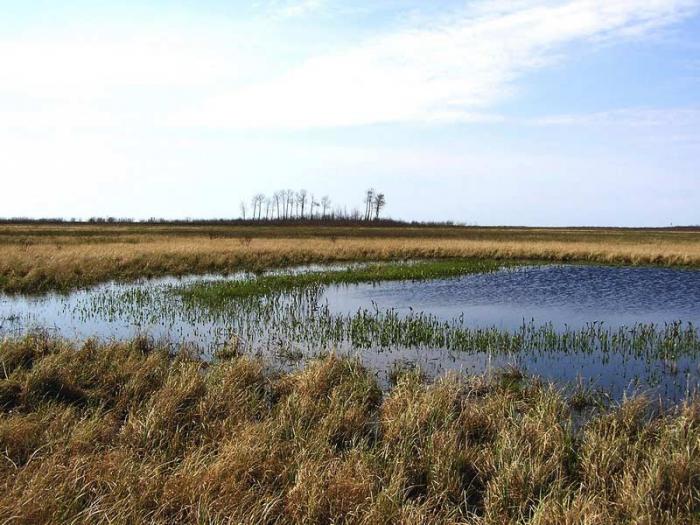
(564, 295)
(567, 297)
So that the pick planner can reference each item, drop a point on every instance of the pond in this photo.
(619, 329)
(572, 295)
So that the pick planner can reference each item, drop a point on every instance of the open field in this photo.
(37, 258)
(129, 433)
(137, 432)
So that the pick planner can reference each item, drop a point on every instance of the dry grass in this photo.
(127, 433)
(41, 258)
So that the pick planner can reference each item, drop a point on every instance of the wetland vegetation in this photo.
(36, 258)
(134, 432)
(295, 315)
(273, 284)
(251, 397)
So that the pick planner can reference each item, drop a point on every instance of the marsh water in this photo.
(586, 301)
(572, 295)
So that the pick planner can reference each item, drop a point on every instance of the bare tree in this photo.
(254, 204)
(258, 200)
(369, 200)
(325, 204)
(314, 203)
(276, 198)
(379, 203)
(302, 195)
(243, 210)
(289, 204)
(261, 201)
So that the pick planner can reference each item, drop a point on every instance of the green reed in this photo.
(220, 291)
(299, 316)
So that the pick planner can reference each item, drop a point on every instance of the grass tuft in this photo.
(113, 433)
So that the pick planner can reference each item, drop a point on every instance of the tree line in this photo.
(283, 205)
(300, 204)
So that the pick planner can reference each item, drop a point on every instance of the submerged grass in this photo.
(36, 258)
(290, 309)
(221, 291)
(289, 321)
(132, 433)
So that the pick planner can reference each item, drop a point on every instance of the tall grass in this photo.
(41, 258)
(130, 433)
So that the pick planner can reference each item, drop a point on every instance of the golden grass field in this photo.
(36, 258)
(126, 433)
(130, 433)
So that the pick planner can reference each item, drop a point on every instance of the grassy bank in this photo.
(39, 258)
(129, 433)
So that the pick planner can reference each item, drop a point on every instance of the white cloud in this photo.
(113, 74)
(441, 71)
(629, 117)
(50, 67)
(295, 8)
(210, 73)
(679, 126)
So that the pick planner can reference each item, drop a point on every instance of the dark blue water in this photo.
(566, 296)
(563, 295)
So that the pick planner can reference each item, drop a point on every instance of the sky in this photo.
(517, 112)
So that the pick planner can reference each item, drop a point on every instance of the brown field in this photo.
(37, 258)
(126, 433)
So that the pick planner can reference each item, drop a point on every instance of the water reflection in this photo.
(566, 295)
(566, 323)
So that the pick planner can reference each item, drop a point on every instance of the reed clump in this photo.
(220, 292)
(132, 432)
(37, 258)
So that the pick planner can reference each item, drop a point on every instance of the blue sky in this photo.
(571, 112)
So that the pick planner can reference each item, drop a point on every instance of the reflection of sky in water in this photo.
(563, 295)
(572, 295)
